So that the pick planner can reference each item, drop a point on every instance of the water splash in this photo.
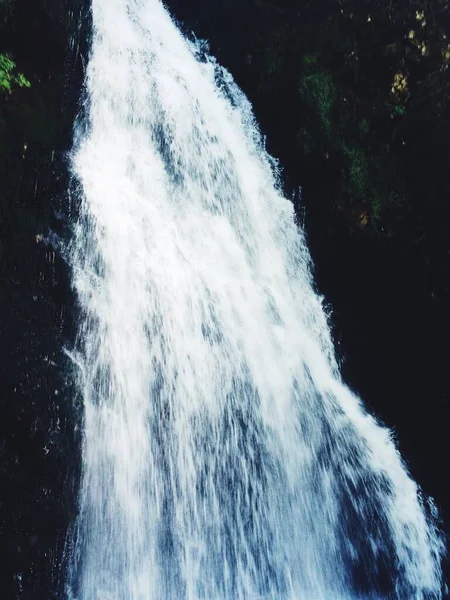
(223, 458)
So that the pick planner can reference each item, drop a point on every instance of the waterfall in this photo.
(223, 457)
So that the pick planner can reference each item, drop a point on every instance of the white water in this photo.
(223, 457)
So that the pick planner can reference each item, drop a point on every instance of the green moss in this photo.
(309, 60)
(400, 110)
(358, 172)
(318, 91)
(376, 204)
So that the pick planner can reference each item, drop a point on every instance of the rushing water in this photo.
(223, 457)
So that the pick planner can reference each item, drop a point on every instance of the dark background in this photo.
(353, 96)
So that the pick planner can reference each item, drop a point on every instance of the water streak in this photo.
(223, 457)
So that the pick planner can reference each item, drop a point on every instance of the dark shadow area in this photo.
(41, 44)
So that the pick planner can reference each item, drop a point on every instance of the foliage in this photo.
(371, 79)
(353, 96)
(9, 77)
(317, 90)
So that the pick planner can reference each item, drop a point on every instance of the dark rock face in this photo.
(39, 441)
(353, 98)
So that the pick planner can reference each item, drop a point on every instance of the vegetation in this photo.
(9, 76)
(353, 96)
(373, 84)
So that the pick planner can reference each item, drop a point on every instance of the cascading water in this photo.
(223, 457)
